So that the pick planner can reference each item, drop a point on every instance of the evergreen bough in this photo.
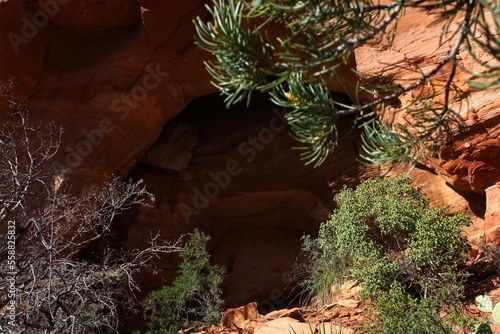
(291, 50)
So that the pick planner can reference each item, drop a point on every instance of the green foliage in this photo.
(401, 251)
(484, 304)
(328, 271)
(195, 295)
(292, 50)
(486, 27)
(396, 311)
(483, 328)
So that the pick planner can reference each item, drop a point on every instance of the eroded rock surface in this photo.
(247, 189)
(472, 163)
(114, 73)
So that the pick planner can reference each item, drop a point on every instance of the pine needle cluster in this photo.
(292, 50)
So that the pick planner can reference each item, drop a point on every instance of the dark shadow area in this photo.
(477, 202)
(484, 274)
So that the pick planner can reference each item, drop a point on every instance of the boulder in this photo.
(284, 325)
(239, 317)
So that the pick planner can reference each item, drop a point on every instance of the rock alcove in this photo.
(234, 175)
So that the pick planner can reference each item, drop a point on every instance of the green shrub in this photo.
(384, 235)
(326, 271)
(399, 312)
(194, 296)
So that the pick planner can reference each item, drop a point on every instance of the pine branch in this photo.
(291, 50)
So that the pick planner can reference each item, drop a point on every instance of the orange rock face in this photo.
(470, 164)
(114, 73)
(111, 73)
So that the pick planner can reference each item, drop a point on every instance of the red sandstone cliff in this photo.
(114, 73)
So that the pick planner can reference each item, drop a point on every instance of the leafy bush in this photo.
(406, 256)
(194, 295)
(397, 311)
(325, 273)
